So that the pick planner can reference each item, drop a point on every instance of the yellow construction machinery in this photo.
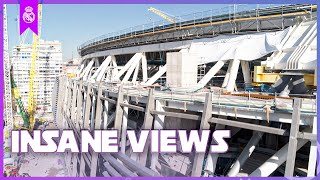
(33, 86)
(29, 116)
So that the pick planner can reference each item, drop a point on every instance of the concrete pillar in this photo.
(268, 167)
(245, 154)
(313, 151)
(212, 159)
(206, 115)
(294, 130)
(144, 68)
(105, 114)
(119, 111)
(246, 73)
(80, 108)
(156, 76)
(204, 81)
(233, 75)
(226, 78)
(94, 159)
(136, 72)
(147, 124)
(136, 57)
(93, 111)
(158, 125)
(124, 128)
(130, 70)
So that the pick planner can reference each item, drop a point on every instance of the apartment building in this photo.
(49, 66)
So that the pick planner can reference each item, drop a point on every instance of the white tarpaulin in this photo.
(243, 47)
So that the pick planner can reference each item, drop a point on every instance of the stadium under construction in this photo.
(251, 71)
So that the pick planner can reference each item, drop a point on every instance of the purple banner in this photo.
(29, 15)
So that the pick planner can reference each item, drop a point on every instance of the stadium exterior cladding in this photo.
(267, 19)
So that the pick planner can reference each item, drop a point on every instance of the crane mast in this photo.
(7, 73)
(162, 14)
(33, 85)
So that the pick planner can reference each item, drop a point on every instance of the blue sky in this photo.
(75, 24)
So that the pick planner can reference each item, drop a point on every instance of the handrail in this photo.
(228, 13)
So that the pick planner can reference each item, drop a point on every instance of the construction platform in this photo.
(97, 106)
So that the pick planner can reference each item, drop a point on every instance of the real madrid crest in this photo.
(28, 15)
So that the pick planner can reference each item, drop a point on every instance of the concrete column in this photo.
(313, 151)
(124, 128)
(245, 154)
(144, 68)
(85, 125)
(94, 159)
(130, 70)
(246, 73)
(73, 101)
(136, 72)
(226, 78)
(137, 56)
(204, 81)
(61, 96)
(158, 125)
(276, 160)
(233, 75)
(105, 114)
(206, 115)
(119, 111)
(79, 117)
(212, 159)
(87, 107)
(68, 100)
(93, 111)
(147, 124)
(156, 76)
(294, 130)
(103, 68)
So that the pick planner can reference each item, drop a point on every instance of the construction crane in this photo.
(28, 117)
(33, 85)
(19, 102)
(162, 14)
(7, 73)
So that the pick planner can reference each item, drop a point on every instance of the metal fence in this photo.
(230, 12)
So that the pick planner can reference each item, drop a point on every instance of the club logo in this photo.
(28, 15)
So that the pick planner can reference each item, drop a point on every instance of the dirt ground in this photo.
(43, 164)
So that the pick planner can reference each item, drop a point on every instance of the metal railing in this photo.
(231, 12)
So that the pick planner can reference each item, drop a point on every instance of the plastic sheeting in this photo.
(243, 47)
